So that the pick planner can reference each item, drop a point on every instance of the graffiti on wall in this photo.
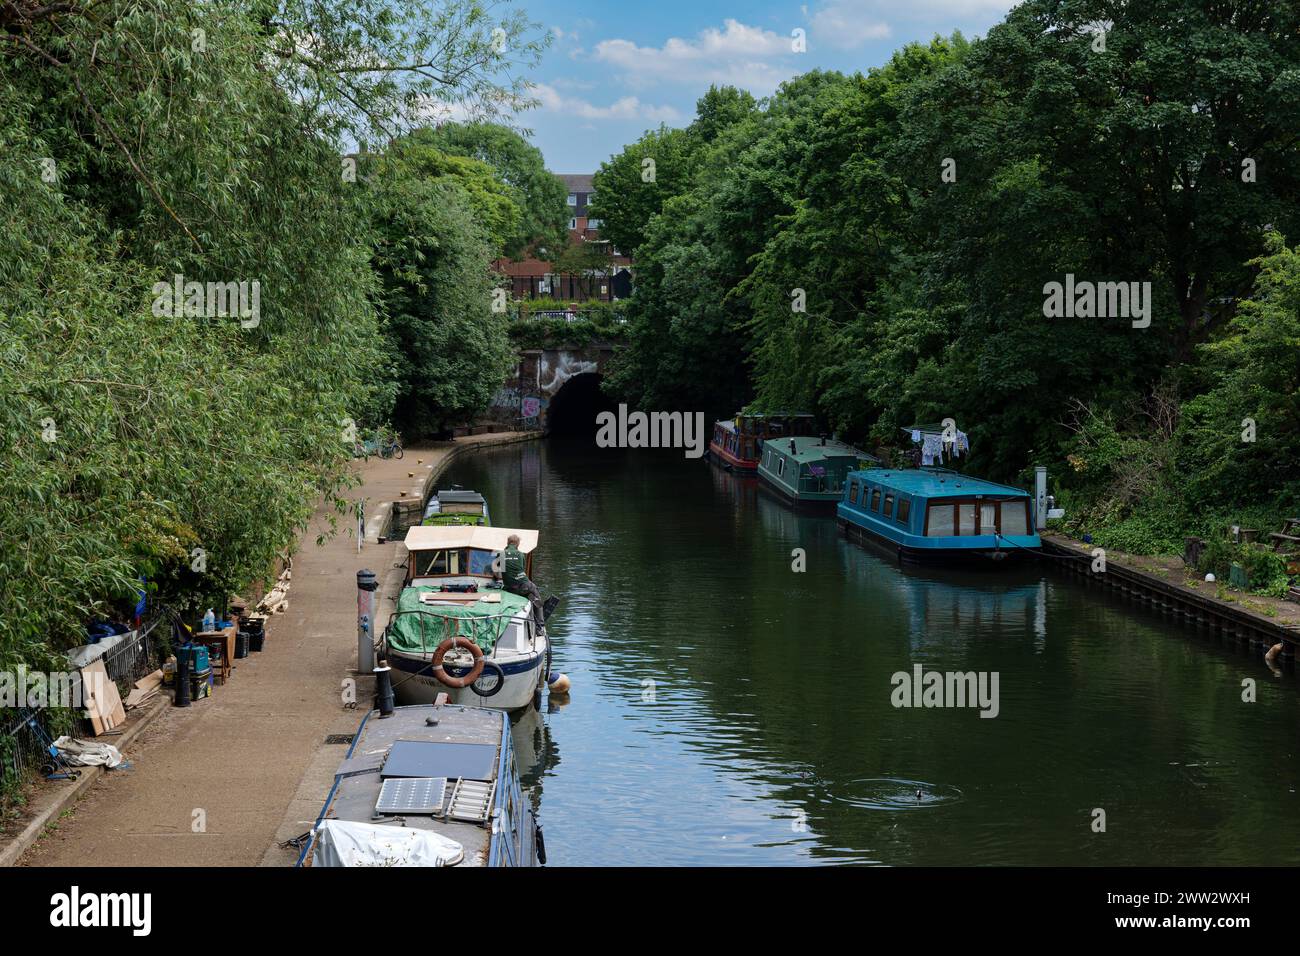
(507, 397)
(554, 373)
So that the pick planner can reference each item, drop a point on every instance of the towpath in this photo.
(223, 782)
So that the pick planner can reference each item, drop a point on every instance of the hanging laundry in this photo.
(916, 436)
(932, 450)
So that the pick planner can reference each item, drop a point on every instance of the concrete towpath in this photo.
(220, 783)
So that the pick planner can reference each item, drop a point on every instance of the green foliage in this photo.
(875, 248)
(134, 435)
(634, 185)
(447, 347)
(539, 194)
(1265, 569)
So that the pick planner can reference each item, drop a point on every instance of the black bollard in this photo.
(384, 689)
(182, 698)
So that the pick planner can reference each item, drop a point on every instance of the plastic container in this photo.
(241, 645)
(209, 621)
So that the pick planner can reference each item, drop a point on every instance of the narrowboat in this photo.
(925, 514)
(737, 443)
(457, 630)
(427, 785)
(809, 471)
(456, 505)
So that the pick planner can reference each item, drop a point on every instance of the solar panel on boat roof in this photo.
(411, 795)
(434, 758)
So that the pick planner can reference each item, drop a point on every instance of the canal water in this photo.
(727, 709)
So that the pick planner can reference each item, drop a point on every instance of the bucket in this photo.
(241, 645)
(255, 639)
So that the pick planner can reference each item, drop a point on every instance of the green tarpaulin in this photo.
(481, 621)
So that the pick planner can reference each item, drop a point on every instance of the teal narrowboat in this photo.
(935, 514)
(807, 470)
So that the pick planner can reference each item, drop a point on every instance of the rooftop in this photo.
(934, 482)
(809, 448)
(577, 182)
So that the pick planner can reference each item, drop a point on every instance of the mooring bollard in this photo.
(182, 696)
(384, 689)
(367, 588)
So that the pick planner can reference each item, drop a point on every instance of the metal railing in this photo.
(26, 733)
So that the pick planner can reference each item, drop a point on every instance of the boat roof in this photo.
(466, 735)
(460, 496)
(427, 537)
(935, 482)
(810, 448)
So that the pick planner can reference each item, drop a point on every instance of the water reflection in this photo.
(728, 709)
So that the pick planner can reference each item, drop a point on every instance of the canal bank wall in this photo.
(218, 783)
(1174, 591)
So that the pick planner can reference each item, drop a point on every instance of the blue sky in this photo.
(617, 69)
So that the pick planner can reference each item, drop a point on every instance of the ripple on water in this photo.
(894, 793)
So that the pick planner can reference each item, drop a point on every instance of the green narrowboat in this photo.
(809, 471)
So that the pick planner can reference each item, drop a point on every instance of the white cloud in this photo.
(626, 108)
(737, 54)
(847, 24)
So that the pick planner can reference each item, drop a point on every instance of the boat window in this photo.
(889, 506)
(988, 517)
(436, 562)
(939, 521)
(853, 492)
(875, 499)
(1013, 518)
(780, 466)
(966, 517)
(904, 508)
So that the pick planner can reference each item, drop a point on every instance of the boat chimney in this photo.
(793, 449)
(823, 440)
(367, 588)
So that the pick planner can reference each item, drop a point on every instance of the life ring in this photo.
(474, 671)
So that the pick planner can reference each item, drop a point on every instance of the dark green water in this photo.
(728, 710)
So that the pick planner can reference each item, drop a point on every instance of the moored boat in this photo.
(737, 442)
(456, 505)
(428, 785)
(809, 471)
(456, 630)
(925, 514)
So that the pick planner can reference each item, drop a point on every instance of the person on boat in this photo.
(516, 581)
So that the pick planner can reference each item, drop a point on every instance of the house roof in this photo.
(577, 182)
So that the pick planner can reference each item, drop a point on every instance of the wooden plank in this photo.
(103, 703)
(151, 681)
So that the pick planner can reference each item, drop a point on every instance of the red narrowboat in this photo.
(737, 443)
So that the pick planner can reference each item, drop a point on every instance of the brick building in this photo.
(533, 278)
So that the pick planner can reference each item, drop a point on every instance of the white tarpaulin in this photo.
(87, 753)
(348, 843)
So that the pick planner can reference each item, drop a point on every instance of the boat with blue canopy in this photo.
(926, 514)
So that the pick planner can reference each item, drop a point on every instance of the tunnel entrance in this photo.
(572, 411)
